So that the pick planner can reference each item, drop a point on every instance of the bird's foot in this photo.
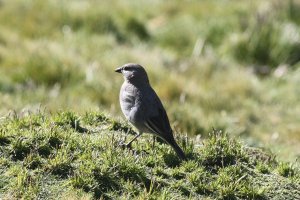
(127, 146)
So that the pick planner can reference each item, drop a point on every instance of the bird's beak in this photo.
(119, 70)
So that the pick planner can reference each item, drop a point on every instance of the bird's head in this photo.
(133, 73)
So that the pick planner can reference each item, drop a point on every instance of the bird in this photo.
(142, 107)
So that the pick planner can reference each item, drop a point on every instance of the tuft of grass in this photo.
(266, 44)
(222, 152)
(286, 169)
(263, 168)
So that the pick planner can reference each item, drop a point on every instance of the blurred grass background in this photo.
(223, 64)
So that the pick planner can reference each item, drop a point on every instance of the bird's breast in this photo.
(127, 98)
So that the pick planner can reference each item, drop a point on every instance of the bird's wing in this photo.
(158, 121)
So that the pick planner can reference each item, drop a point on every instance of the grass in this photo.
(224, 65)
(45, 156)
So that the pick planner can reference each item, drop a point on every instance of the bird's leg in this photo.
(153, 143)
(138, 135)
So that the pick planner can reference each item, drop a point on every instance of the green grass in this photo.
(217, 65)
(66, 155)
(228, 65)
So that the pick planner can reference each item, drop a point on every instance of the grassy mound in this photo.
(233, 64)
(64, 155)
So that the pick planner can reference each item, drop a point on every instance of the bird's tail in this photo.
(178, 150)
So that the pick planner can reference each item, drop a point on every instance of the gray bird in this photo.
(143, 108)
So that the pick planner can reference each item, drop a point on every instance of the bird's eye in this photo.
(126, 68)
